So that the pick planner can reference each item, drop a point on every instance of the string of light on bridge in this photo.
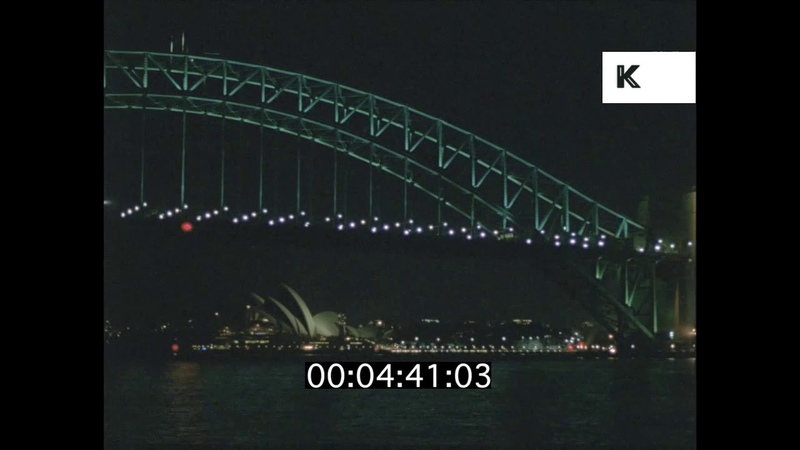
(375, 226)
(130, 211)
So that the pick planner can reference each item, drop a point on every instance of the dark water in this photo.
(532, 404)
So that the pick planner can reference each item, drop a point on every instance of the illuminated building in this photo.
(325, 324)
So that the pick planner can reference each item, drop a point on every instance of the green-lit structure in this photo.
(475, 185)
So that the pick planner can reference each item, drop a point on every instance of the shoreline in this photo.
(222, 356)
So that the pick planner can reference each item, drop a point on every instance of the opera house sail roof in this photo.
(324, 324)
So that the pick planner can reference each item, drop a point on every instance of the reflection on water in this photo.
(182, 393)
(591, 403)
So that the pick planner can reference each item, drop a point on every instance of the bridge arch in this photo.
(294, 125)
(425, 152)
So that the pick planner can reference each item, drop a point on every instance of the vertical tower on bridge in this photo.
(643, 217)
(690, 209)
(687, 316)
(643, 211)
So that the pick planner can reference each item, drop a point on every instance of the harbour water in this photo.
(587, 403)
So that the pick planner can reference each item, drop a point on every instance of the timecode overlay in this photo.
(398, 375)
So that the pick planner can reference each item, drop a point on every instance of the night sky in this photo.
(523, 75)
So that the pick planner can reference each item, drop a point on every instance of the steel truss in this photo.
(480, 181)
(364, 126)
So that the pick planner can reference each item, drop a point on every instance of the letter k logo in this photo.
(623, 76)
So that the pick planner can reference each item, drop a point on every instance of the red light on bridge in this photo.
(187, 227)
(175, 348)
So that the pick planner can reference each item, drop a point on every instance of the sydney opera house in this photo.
(326, 324)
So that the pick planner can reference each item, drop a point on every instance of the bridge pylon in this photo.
(640, 293)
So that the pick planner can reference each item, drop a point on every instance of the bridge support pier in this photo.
(371, 163)
(141, 185)
(261, 166)
(335, 182)
(639, 285)
(222, 164)
(297, 192)
(439, 221)
(183, 161)
(405, 193)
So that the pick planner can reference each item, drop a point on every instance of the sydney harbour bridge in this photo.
(416, 175)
